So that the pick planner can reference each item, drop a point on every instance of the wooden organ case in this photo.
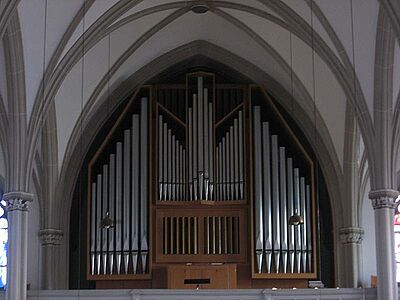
(199, 180)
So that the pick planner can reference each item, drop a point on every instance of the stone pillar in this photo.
(383, 202)
(51, 241)
(351, 239)
(17, 264)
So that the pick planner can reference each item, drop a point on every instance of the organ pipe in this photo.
(121, 190)
(259, 231)
(279, 192)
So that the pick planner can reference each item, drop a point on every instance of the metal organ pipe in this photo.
(160, 157)
(308, 217)
(275, 195)
(305, 225)
(195, 152)
(259, 232)
(94, 229)
(135, 190)
(99, 217)
(283, 207)
(267, 195)
(165, 160)
(143, 182)
(190, 152)
(111, 211)
(279, 192)
(210, 144)
(290, 212)
(104, 212)
(241, 145)
(236, 159)
(232, 163)
(297, 228)
(126, 197)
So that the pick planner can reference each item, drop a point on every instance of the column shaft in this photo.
(383, 202)
(17, 264)
(351, 239)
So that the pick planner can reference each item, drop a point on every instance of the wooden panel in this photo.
(220, 276)
(166, 249)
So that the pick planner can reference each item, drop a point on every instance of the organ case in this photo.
(201, 172)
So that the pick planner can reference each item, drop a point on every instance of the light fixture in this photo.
(106, 222)
(296, 219)
(200, 8)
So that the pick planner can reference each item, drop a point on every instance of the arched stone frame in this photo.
(91, 123)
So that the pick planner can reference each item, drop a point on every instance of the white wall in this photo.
(34, 263)
(368, 245)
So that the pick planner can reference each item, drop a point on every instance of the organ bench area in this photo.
(199, 180)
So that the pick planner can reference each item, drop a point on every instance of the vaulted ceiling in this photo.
(67, 48)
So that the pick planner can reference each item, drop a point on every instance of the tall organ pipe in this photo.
(143, 181)
(236, 159)
(99, 217)
(190, 152)
(290, 211)
(172, 159)
(224, 171)
(283, 207)
(104, 212)
(241, 145)
(169, 159)
(211, 146)
(297, 229)
(195, 152)
(126, 197)
(305, 225)
(160, 156)
(275, 195)
(111, 232)
(118, 202)
(232, 163)
(94, 229)
(309, 240)
(267, 194)
(165, 160)
(205, 136)
(259, 234)
(135, 189)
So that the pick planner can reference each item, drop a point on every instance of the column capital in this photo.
(17, 200)
(383, 198)
(351, 235)
(51, 236)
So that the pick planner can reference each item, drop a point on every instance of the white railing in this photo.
(239, 294)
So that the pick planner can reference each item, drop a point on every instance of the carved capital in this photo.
(51, 237)
(17, 200)
(383, 198)
(351, 235)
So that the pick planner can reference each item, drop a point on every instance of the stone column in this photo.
(351, 239)
(51, 241)
(383, 202)
(17, 263)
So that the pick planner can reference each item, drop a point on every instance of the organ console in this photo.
(201, 172)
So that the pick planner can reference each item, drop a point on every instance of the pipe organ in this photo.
(201, 172)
